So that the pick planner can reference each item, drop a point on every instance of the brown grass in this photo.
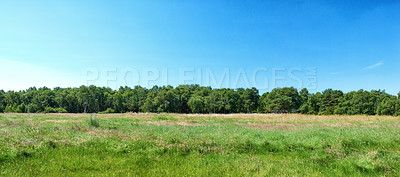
(173, 123)
(280, 126)
(221, 116)
(62, 121)
(260, 121)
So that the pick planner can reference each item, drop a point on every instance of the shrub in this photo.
(13, 109)
(54, 110)
(107, 111)
(61, 110)
(93, 121)
(20, 108)
(32, 108)
(165, 118)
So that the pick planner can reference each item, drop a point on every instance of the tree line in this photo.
(197, 99)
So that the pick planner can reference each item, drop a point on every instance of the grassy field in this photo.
(198, 145)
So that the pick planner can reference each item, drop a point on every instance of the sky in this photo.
(345, 45)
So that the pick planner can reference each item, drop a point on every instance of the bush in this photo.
(32, 108)
(61, 110)
(165, 118)
(93, 121)
(49, 110)
(54, 110)
(387, 107)
(107, 111)
(13, 109)
(20, 108)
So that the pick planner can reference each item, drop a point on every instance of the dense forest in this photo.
(197, 99)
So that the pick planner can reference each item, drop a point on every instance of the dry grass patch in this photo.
(110, 133)
(62, 121)
(342, 124)
(279, 126)
(173, 123)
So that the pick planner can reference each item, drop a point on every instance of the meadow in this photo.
(198, 145)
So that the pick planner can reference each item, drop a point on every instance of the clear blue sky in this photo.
(351, 44)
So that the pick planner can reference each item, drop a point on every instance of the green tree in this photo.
(360, 102)
(250, 98)
(388, 107)
(232, 101)
(280, 103)
(135, 98)
(32, 108)
(200, 99)
(12, 98)
(46, 98)
(184, 93)
(166, 100)
(304, 95)
(212, 102)
(313, 104)
(330, 101)
(2, 101)
(13, 108)
(196, 99)
(118, 102)
(263, 103)
(196, 104)
(21, 108)
(149, 105)
(283, 99)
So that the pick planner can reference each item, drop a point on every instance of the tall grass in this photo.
(51, 145)
(94, 121)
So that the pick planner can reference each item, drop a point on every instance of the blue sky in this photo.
(350, 44)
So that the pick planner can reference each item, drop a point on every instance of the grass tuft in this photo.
(170, 118)
(94, 121)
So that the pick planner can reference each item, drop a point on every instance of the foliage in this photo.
(280, 99)
(330, 101)
(54, 110)
(360, 102)
(389, 106)
(107, 111)
(32, 108)
(94, 121)
(165, 118)
(2, 101)
(313, 104)
(196, 99)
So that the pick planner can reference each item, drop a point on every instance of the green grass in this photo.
(164, 118)
(198, 145)
(94, 121)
